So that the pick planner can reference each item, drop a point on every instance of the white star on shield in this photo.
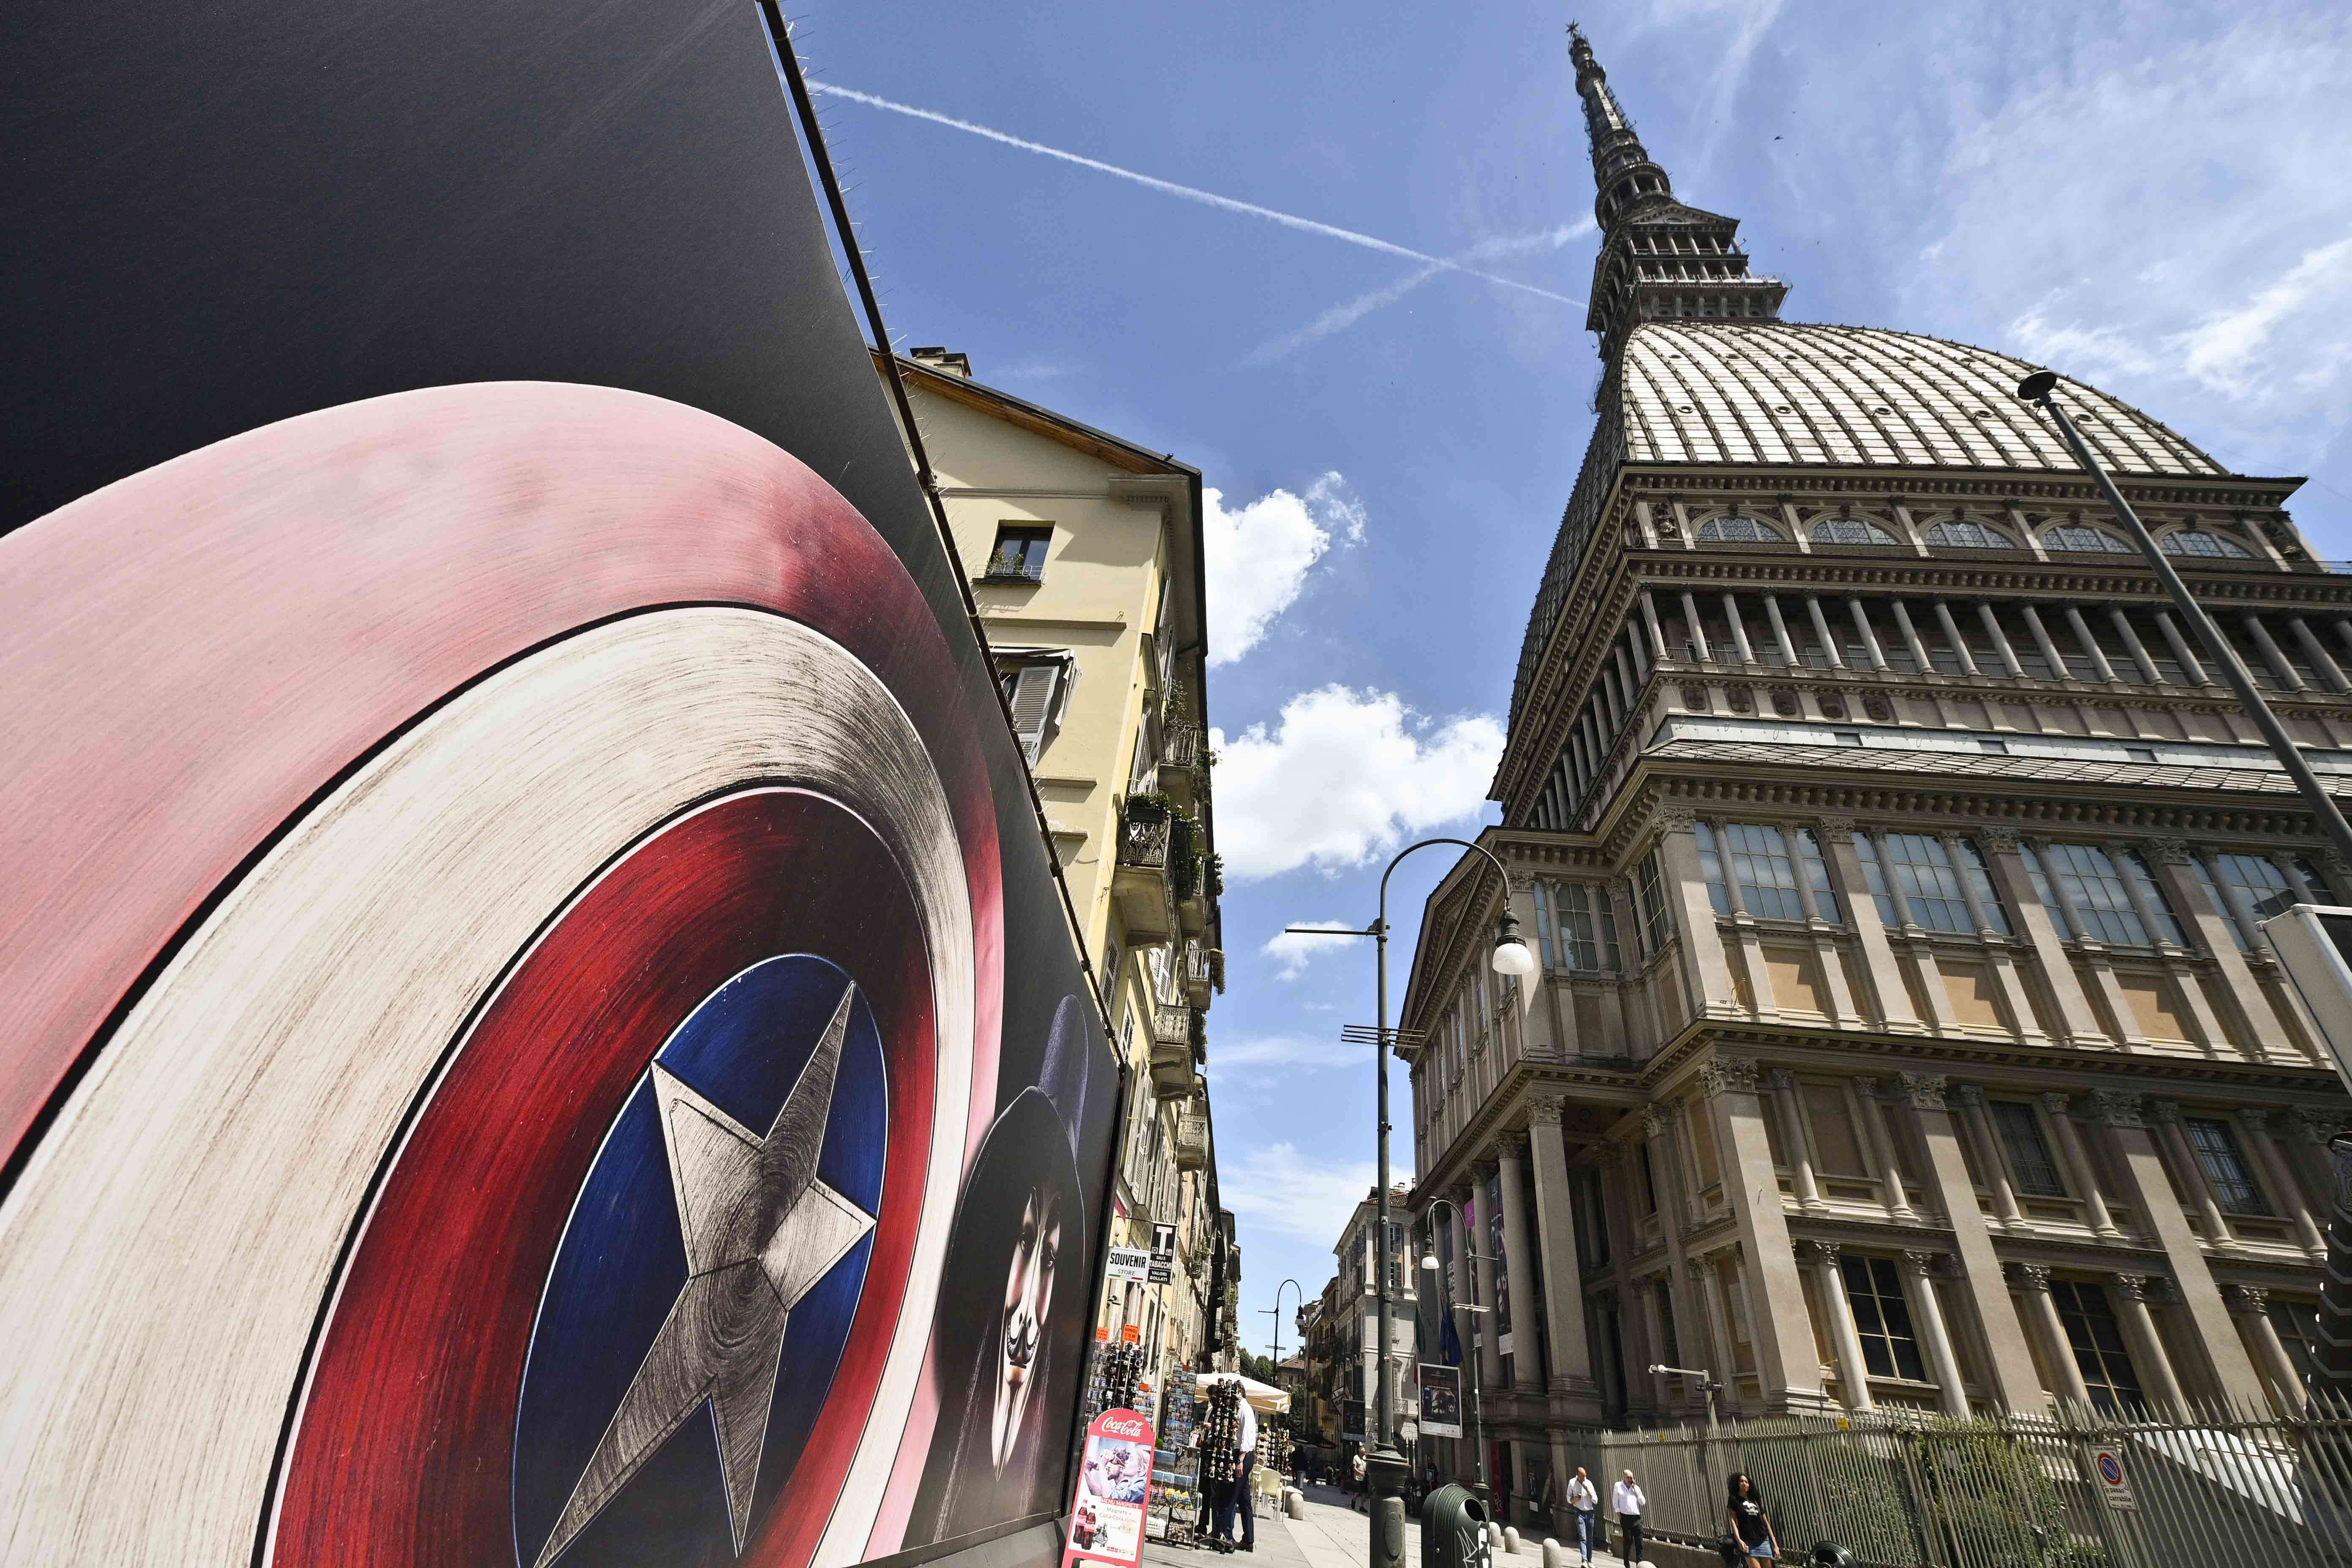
(760, 1230)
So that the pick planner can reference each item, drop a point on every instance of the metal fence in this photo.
(2223, 1488)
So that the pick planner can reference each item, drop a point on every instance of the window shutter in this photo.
(1032, 705)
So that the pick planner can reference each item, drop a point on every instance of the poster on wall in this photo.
(539, 1029)
(1441, 1400)
(1113, 1492)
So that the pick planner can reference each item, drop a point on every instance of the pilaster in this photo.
(1572, 1383)
(2015, 1383)
(1786, 1364)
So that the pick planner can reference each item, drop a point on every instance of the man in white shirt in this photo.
(1246, 1429)
(1583, 1499)
(1629, 1502)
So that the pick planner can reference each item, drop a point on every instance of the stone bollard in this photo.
(1511, 1540)
(1494, 1536)
(1552, 1555)
(1294, 1502)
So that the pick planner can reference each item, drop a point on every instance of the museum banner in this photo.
(539, 1025)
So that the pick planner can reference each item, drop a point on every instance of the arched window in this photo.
(1851, 530)
(2076, 537)
(1963, 534)
(2197, 542)
(1738, 530)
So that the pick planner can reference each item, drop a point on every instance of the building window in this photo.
(2031, 1167)
(1882, 1317)
(2260, 884)
(1962, 534)
(1758, 858)
(2098, 1341)
(2197, 542)
(1738, 530)
(1020, 553)
(2093, 884)
(1587, 930)
(1036, 688)
(2233, 1184)
(1851, 530)
(1650, 889)
(2078, 538)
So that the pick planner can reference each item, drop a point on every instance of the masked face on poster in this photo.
(1009, 1332)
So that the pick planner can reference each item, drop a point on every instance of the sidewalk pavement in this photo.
(1333, 1535)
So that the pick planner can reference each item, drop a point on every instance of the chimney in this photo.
(947, 361)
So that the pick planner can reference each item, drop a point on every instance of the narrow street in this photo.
(1333, 1535)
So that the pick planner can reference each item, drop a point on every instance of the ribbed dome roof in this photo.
(1775, 392)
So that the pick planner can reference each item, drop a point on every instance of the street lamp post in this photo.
(2036, 389)
(1469, 1364)
(1384, 1466)
(1275, 1312)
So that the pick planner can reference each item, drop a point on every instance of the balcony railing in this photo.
(1143, 844)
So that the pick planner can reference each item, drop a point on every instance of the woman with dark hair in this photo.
(1009, 1331)
(1750, 1528)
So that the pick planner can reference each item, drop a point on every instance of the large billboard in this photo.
(535, 1022)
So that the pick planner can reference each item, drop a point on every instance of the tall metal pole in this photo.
(2036, 389)
(1469, 1361)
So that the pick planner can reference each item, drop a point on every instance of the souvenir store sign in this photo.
(1114, 1490)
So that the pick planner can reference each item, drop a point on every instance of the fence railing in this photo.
(2225, 1488)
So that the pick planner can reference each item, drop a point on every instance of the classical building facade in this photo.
(1349, 1305)
(1084, 552)
(1904, 1036)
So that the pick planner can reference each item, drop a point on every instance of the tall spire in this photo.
(1623, 175)
(1659, 258)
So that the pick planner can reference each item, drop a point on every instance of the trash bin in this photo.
(1830, 1554)
(1454, 1530)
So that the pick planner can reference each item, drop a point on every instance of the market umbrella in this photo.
(1263, 1397)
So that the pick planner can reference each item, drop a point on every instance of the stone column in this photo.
(2133, 1292)
(1571, 1353)
(2187, 1170)
(1889, 995)
(1951, 631)
(1845, 1338)
(1876, 1132)
(2090, 645)
(2256, 1124)
(1696, 629)
(1951, 1391)
(1739, 629)
(1911, 636)
(2042, 1313)
(2277, 660)
(1656, 633)
(2009, 661)
(2139, 650)
(1527, 1367)
(2250, 1307)
(1786, 1362)
(2059, 668)
(2190, 664)
(1822, 631)
(1793, 1139)
(2161, 1216)
(2077, 1024)
(1722, 1360)
(1708, 965)
(1781, 632)
(2014, 1382)
(1991, 1158)
(1482, 1274)
(2079, 1174)
(1869, 636)
(2316, 651)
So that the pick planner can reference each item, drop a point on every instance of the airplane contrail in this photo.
(1349, 313)
(1189, 193)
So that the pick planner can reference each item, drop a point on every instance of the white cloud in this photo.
(2167, 212)
(1276, 1188)
(1259, 556)
(1293, 949)
(1293, 1053)
(1343, 778)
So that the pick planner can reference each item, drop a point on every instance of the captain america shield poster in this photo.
(538, 1028)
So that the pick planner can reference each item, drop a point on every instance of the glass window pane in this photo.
(1759, 858)
(2091, 879)
(1873, 876)
(1979, 876)
(1923, 874)
(2029, 1163)
(2220, 900)
(2234, 1187)
(1817, 874)
(1710, 866)
(2152, 890)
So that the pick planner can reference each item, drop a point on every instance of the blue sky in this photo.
(2149, 196)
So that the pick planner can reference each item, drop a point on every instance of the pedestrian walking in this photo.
(1629, 1503)
(1241, 1478)
(1750, 1527)
(1356, 1481)
(1584, 1503)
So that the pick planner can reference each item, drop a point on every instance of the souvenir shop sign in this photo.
(1114, 1490)
(1129, 1263)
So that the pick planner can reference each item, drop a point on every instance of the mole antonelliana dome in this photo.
(1775, 392)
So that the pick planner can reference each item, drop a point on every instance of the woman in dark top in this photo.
(1747, 1522)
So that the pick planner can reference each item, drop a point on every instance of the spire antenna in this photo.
(1658, 256)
